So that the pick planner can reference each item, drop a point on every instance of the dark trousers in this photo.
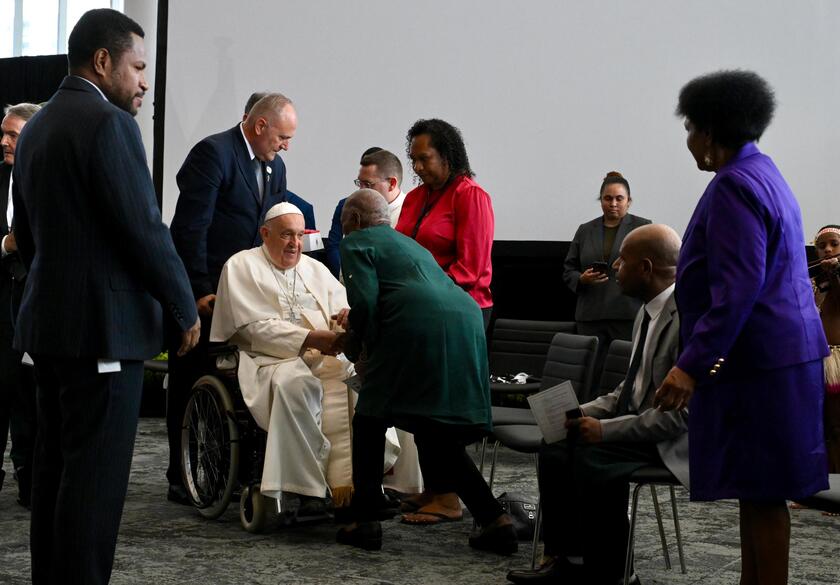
(584, 495)
(17, 389)
(445, 463)
(183, 372)
(87, 423)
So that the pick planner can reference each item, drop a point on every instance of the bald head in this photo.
(658, 242)
(364, 208)
(647, 261)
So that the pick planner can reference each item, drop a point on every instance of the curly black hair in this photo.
(446, 140)
(735, 106)
(101, 28)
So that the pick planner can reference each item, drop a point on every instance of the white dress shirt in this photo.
(10, 215)
(654, 309)
(395, 207)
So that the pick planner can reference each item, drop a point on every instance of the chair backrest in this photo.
(570, 357)
(616, 365)
(521, 346)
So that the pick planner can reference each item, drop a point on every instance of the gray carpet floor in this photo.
(163, 543)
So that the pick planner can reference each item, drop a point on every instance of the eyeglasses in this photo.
(367, 184)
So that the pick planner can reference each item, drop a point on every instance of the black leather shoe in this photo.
(178, 494)
(552, 571)
(366, 535)
(497, 539)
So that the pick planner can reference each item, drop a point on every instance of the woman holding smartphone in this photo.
(601, 308)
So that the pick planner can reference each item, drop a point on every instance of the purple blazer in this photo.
(743, 292)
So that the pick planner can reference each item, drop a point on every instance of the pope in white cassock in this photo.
(283, 310)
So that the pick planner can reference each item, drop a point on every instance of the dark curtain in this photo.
(30, 79)
(528, 281)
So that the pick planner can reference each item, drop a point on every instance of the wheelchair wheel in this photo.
(257, 513)
(210, 447)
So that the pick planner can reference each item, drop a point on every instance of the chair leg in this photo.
(677, 529)
(628, 560)
(664, 542)
(493, 465)
(538, 521)
(481, 459)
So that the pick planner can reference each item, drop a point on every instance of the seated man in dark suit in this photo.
(583, 480)
(293, 198)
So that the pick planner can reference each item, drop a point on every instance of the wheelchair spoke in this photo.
(211, 441)
(210, 448)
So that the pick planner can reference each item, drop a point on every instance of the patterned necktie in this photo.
(630, 379)
(259, 172)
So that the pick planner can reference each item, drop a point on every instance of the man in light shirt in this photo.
(583, 480)
(381, 171)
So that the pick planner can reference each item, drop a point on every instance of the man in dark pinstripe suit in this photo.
(100, 260)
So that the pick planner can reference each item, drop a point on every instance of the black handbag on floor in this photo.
(523, 510)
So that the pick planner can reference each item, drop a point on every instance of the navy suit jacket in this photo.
(219, 212)
(333, 240)
(11, 267)
(305, 208)
(89, 229)
(5, 268)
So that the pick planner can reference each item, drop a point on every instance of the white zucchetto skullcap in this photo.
(281, 209)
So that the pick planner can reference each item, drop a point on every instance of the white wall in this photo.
(549, 94)
(144, 12)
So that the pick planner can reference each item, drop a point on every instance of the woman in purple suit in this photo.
(752, 343)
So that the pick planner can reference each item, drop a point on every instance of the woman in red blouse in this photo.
(449, 214)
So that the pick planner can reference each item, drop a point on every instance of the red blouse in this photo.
(458, 230)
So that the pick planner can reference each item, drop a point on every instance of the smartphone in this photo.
(573, 432)
(574, 413)
(601, 267)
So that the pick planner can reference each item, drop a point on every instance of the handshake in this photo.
(330, 342)
(327, 342)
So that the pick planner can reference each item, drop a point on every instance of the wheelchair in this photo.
(223, 448)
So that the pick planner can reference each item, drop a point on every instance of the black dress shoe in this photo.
(366, 535)
(499, 539)
(178, 494)
(553, 571)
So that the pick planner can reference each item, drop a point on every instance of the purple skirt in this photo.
(759, 435)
